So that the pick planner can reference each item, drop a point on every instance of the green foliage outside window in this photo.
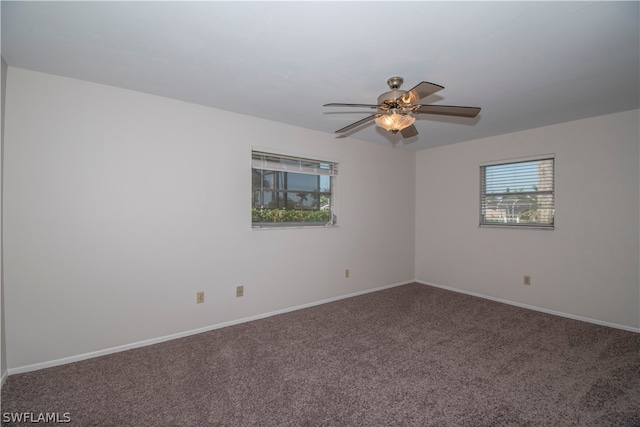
(289, 215)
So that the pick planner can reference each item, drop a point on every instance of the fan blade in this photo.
(421, 90)
(334, 104)
(448, 110)
(409, 131)
(356, 124)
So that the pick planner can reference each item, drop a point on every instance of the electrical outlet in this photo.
(527, 280)
(199, 297)
(346, 273)
(239, 291)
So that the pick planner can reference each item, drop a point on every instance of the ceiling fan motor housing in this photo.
(394, 100)
(390, 97)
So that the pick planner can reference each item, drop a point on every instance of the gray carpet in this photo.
(407, 356)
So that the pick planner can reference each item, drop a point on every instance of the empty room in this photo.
(235, 213)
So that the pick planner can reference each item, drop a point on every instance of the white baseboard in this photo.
(533, 307)
(85, 356)
(3, 378)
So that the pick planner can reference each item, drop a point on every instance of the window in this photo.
(291, 191)
(518, 194)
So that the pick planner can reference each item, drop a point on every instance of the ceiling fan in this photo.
(396, 108)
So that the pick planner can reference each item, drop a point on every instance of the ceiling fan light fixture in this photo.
(394, 122)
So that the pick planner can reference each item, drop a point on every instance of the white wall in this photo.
(586, 267)
(119, 206)
(3, 347)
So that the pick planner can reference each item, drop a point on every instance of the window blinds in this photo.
(276, 162)
(520, 193)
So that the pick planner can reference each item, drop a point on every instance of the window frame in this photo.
(545, 191)
(282, 163)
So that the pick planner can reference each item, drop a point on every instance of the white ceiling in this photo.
(527, 64)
